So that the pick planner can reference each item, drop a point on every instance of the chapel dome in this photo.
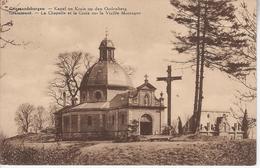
(106, 72)
(109, 74)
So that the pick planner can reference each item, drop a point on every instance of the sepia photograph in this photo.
(128, 82)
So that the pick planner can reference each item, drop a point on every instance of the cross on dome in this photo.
(146, 78)
(106, 33)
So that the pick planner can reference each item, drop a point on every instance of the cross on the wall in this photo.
(169, 80)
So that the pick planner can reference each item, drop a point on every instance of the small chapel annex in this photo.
(109, 103)
(217, 123)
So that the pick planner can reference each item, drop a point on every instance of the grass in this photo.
(171, 153)
(181, 152)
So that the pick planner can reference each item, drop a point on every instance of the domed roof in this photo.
(106, 43)
(107, 73)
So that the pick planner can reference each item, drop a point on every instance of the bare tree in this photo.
(2, 75)
(24, 117)
(6, 26)
(39, 118)
(238, 112)
(129, 69)
(51, 119)
(68, 76)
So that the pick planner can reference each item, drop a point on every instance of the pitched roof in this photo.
(122, 99)
(92, 106)
(146, 85)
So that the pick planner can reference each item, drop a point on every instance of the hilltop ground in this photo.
(185, 150)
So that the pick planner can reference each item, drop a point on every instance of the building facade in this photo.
(217, 123)
(109, 103)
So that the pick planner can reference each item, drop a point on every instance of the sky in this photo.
(142, 41)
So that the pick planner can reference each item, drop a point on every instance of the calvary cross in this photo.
(169, 80)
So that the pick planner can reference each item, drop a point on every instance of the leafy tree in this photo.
(246, 74)
(24, 117)
(212, 39)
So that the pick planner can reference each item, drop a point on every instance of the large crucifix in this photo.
(169, 80)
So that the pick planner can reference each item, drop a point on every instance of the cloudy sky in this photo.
(142, 41)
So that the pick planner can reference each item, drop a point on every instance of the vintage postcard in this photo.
(128, 82)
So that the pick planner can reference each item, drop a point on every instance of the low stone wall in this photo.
(92, 135)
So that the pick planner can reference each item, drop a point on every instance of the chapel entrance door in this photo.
(146, 125)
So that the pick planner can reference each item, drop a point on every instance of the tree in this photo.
(70, 70)
(6, 26)
(3, 137)
(132, 127)
(246, 74)
(39, 118)
(68, 77)
(245, 125)
(129, 69)
(51, 118)
(2, 75)
(212, 33)
(24, 117)
(239, 112)
(180, 128)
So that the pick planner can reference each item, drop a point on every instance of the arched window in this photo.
(109, 53)
(98, 95)
(146, 100)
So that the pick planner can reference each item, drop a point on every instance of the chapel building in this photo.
(109, 103)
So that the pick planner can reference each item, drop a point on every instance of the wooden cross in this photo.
(169, 80)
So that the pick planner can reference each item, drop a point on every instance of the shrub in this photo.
(167, 130)
(21, 155)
